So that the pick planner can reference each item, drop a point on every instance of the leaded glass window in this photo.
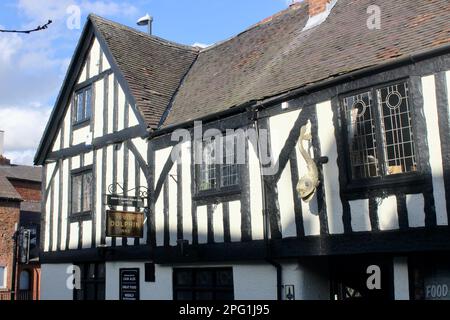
(219, 169)
(83, 105)
(379, 132)
(81, 192)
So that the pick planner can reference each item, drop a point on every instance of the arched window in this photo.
(24, 282)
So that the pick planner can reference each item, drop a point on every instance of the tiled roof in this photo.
(28, 173)
(7, 191)
(276, 56)
(152, 67)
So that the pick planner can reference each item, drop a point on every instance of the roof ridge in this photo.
(294, 6)
(162, 41)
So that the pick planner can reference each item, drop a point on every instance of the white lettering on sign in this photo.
(436, 291)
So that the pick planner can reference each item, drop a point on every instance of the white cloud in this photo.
(32, 68)
(23, 157)
(201, 45)
(23, 126)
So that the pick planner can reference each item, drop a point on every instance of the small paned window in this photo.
(218, 171)
(380, 132)
(203, 284)
(83, 105)
(82, 192)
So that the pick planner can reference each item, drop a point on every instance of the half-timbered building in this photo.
(339, 113)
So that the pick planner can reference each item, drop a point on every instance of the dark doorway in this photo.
(92, 282)
(349, 277)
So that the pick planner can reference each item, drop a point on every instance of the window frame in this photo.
(96, 281)
(193, 288)
(86, 215)
(383, 178)
(5, 277)
(218, 190)
(86, 118)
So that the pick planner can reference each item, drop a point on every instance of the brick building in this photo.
(20, 196)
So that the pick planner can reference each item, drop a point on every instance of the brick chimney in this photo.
(3, 160)
(317, 6)
(318, 11)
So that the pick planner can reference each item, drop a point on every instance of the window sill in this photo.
(82, 216)
(386, 182)
(212, 195)
(81, 124)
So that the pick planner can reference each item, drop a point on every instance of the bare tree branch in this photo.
(38, 28)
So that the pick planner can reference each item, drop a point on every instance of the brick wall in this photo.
(29, 191)
(9, 216)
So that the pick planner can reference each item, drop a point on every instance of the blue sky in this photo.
(33, 66)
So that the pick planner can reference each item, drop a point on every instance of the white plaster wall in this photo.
(280, 127)
(111, 79)
(99, 196)
(98, 107)
(132, 120)
(360, 215)
(161, 157)
(173, 211)
(65, 203)
(73, 243)
(387, 214)
(415, 205)
(202, 224)
(122, 106)
(75, 162)
(87, 234)
(434, 145)
(109, 177)
(106, 63)
(254, 282)
(89, 158)
(83, 74)
(95, 58)
(159, 290)
(57, 142)
(256, 202)
(311, 281)
(55, 211)
(401, 278)
(80, 136)
(235, 220)
(218, 223)
(330, 170)
(53, 282)
(286, 202)
(186, 187)
(67, 128)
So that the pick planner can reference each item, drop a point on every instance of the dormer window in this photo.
(380, 132)
(83, 105)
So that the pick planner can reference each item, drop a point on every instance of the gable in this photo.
(111, 107)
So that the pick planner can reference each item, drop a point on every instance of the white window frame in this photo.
(5, 272)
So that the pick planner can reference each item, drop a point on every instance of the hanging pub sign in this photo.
(124, 224)
(114, 200)
(129, 284)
